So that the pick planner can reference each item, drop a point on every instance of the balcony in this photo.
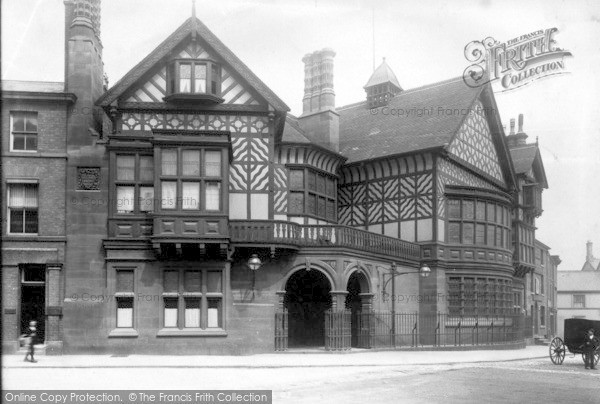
(295, 236)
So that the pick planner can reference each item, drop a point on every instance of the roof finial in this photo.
(193, 8)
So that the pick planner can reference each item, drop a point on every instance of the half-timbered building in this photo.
(203, 217)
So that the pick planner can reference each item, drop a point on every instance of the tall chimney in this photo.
(590, 251)
(327, 95)
(308, 90)
(516, 139)
(520, 123)
(84, 69)
(319, 120)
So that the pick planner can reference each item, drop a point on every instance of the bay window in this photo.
(478, 222)
(194, 77)
(479, 296)
(134, 183)
(191, 179)
(313, 194)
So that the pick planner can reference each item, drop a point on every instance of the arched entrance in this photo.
(357, 284)
(307, 298)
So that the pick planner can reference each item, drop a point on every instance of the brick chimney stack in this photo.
(84, 69)
(589, 251)
(516, 139)
(318, 81)
(319, 120)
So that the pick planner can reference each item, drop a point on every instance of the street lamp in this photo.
(254, 263)
(424, 271)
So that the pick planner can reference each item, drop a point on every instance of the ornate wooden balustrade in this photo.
(293, 235)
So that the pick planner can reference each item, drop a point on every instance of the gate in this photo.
(281, 330)
(366, 321)
(338, 330)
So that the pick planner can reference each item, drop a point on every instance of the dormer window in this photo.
(194, 80)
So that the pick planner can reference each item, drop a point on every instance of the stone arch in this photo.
(328, 271)
(307, 296)
(364, 278)
(358, 300)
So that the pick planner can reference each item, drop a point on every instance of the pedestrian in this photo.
(590, 344)
(31, 340)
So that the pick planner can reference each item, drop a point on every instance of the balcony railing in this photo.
(297, 235)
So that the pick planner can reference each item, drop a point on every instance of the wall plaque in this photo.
(88, 178)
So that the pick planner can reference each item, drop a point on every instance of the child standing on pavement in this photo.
(31, 338)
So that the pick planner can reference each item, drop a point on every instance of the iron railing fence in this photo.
(380, 329)
(438, 330)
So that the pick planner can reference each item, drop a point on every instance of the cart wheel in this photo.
(557, 351)
(596, 358)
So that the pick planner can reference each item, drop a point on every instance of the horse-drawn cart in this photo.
(575, 332)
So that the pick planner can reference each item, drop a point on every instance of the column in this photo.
(433, 294)
(338, 300)
(54, 298)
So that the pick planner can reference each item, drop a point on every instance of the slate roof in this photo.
(191, 25)
(364, 135)
(292, 132)
(523, 158)
(33, 86)
(383, 74)
(583, 281)
(592, 265)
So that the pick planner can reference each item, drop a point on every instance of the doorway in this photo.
(307, 298)
(354, 304)
(33, 298)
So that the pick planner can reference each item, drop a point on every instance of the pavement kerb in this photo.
(277, 366)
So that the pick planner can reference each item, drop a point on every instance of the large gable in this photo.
(147, 81)
(233, 91)
(473, 143)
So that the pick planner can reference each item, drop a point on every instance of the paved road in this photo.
(527, 381)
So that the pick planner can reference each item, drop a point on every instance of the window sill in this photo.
(123, 333)
(192, 332)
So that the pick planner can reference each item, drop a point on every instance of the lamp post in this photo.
(424, 271)
(254, 263)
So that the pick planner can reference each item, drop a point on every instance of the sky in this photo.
(422, 41)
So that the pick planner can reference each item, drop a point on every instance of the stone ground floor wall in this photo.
(248, 301)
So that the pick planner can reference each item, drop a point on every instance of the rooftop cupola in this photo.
(382, 86)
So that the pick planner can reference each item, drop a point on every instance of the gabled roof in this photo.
(578, 281)
(591, 265)
(189, 27)
(526, 158)
(292, 132)
(383, 74)
(413, 120)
